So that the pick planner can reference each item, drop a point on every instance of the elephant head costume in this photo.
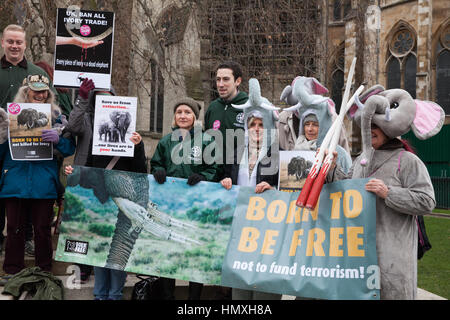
(262, 106)
(304, 94)
(395, 112)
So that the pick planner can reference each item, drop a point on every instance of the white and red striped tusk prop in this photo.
(314, 182)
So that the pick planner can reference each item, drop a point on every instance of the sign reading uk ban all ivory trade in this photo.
(83, 47)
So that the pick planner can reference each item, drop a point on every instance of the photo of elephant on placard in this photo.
(121, 120)
(299, 167)
(31, 118)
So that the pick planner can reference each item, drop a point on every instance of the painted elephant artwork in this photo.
(129, 191)
(121, 120)
(395, 112)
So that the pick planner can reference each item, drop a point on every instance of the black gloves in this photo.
(195, 178)
(160, 176)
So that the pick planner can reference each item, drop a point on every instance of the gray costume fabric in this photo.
(410, 193)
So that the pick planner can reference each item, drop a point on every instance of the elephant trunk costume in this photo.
(395, 112)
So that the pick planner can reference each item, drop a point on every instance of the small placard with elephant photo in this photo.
(27, 120)
(294, 168)
(114, 123)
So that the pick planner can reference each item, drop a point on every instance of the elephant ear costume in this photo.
(305, 96)
(256, 104)
(395, 112)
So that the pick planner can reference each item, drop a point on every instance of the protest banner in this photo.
(114, 122)
(182, 232)
(328, 253)
(294, 168)
(83, 47)
(236, 238)
(27, 120)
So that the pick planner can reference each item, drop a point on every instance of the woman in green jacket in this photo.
(187, 152)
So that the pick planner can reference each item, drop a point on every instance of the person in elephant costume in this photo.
(256, 161)
(398, 178)
(308, 105)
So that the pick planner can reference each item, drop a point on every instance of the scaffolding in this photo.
(274, 41)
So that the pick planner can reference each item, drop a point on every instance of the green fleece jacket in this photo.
(11, 78)
(45, 285)
(222, 116)
(183, 157)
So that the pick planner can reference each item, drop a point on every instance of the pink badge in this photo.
(14, 108)
(216, 125)
(85, 30)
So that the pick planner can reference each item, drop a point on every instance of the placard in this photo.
(294, 169)
(114, 122)
(84, 47)
(27, 120)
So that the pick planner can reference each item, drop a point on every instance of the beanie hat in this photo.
(310, 117)
(191, 103)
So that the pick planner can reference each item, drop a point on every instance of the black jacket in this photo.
(271, 159)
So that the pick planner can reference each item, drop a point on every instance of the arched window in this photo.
(341, 8)
(401, 63)
(156, 99)
(443, 69)
(337, 77)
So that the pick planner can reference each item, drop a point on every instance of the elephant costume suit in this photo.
(410, 191)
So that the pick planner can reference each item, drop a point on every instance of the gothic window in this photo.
(337, 78)
(401, 64)
(172, 24)
(443, 70)
(156, 99)
(341, 8)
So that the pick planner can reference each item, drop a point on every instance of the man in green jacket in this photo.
(220, 114)
(13, 69)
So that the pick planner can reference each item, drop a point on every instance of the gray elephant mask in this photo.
(395, 112)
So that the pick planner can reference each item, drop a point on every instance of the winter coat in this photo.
(32, 179)
(287, 135)
(33, 279)
(410, 193)
(11, 78)
(162, 158)
(232, 170)
(222, 116)
(81, 124)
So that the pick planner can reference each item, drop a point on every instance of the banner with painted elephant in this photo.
(127, 221)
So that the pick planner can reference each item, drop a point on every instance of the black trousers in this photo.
(42, 217)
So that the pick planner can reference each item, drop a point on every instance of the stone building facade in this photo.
(399, 44)
(160, 48)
